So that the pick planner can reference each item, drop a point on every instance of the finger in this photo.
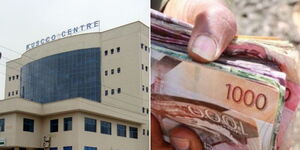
(183, 138)
(157, 141)
(214, 28)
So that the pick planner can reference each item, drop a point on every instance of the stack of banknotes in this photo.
(245, 100)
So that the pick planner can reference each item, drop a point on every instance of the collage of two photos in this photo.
(149, 75)
(74, 75)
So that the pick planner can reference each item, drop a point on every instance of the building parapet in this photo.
(13, 105)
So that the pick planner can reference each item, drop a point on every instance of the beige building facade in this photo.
(83, 92)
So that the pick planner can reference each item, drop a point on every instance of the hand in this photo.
(181, 138)
(214, 26)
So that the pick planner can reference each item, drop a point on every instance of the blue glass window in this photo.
(121, 130)
(133, 132)
(28, 125)
(53, 148)
(2, 125)
(54, 125)
(105, 127)
(90, 124)
(62, 76)
(67, 148)
(68, 124)
(90, 148)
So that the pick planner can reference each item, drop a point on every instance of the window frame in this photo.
(112, 92)
(89, 148)
(94, 126)
(119, 130)
(66, 125)
(133, 132)
(104, 127)
(2, 125)
(54, 123)
(30, 129)
(67, 148)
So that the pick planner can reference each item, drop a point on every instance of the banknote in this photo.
(259, 96)
(217, 125)
(255, 79)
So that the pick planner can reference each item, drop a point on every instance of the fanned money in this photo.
(245, 100)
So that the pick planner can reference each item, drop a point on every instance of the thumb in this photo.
(214, 28)
(157, 141)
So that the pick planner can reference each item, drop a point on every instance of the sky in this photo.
(23, 22)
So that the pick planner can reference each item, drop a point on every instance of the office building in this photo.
(82, 92)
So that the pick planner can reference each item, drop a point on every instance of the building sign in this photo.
(66, 33)
(2, 142)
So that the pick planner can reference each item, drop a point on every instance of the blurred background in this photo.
(280, 18)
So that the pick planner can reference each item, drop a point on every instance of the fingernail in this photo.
(205, 47)
(180, 144)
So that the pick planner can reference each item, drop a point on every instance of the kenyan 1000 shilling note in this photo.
(235, 103)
